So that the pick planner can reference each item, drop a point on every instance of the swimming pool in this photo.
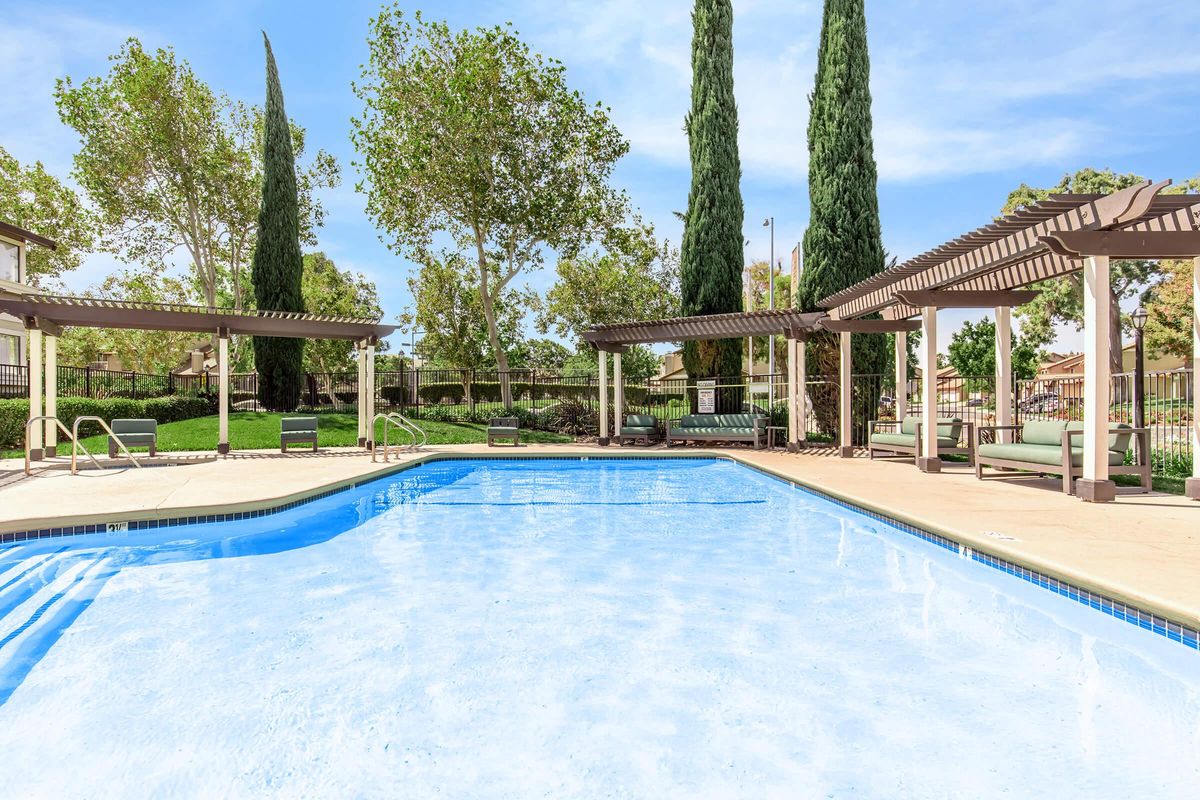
(562, 628)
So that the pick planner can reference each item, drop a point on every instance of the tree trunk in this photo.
(489, 314)
(1116, 354)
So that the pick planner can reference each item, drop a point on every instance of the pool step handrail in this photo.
(388, 422)
(412, 427)
(113, 436)
(73, 437)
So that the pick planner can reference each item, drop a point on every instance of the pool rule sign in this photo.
(706, 397)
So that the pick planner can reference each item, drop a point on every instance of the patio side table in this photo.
(771, 429)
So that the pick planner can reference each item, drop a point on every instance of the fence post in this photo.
(133, 383)
(87, 381)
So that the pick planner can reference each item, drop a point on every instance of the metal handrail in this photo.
(388, 421)
(411, 426)
(67, 433)
(103, 424)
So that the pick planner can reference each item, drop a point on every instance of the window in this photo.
(10, 349)
(10, 262)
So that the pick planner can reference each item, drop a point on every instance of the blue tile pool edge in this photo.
(1172, 630)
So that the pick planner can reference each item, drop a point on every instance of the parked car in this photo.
(1043, 403)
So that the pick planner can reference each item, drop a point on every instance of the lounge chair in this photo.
(1053, 447)
(133, 433)
(719, 428)
(504, 428)
(297, 430)
(907, 441)
(639, 428)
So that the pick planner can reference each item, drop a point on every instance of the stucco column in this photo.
(618, 394)
(901, 356)
(1192, 484)
(35, 392)
(364, 424)
(1003, 394)
(845, 421)
(801, 393)
(51, 368)
(369, 400)
(603, 398)
(929, 460)
(793, 416)
(1095, 486)
(223, 391)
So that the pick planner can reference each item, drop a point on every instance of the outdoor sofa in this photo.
(1051, 447)
(639, 428)
(502, 428)
(133, 433)
(719, 428)
(297, 430)
(907, 440)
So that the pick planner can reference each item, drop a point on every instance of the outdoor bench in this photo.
(133, 433)
(719, 428)
(504, 428)
(907, 441)
(638, 427)
(297, 430)
(1047, 447)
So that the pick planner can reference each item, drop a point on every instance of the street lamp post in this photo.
(769, 222)
(1139, 318)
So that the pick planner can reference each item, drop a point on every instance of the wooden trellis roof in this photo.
(785, 322)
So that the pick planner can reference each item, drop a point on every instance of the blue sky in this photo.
(970, 99)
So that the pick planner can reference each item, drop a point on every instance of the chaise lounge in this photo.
(133, 433)
(639, 428)
(719, 428)
(907, 441)
(1049, 447)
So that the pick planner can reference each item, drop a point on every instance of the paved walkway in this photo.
(1142, 549)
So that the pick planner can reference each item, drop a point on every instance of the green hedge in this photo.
(14, 413)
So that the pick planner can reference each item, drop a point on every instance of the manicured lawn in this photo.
(260, 431)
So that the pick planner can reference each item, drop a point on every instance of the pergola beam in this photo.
(1124, 244)
(702, 328)
(954, 298)
(870, 325)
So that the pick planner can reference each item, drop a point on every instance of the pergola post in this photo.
(793, 416)
(1094, 486)
(603, 398)
(364, 424)
(801, 393)
(1003, 393)
(901, 356)
(51, 369)
(35, 391)
(618, 393)
(845, 423)
(929, 460)
(369, 400)
(1192, 484)
(223, 391)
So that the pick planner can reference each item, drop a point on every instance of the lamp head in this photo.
(1139, 318)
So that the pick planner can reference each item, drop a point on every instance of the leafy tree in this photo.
(1170, 304)
(471, 135)
(633, 279)
(339, 293)
(759, 299)
(711, 257)
(972, 352)
(278, 267)
(843, 244)
(141, 351)
(171, 165)
(545, 355)
(638, 363)
(35, 200)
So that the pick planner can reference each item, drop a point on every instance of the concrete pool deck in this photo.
(1143, 550)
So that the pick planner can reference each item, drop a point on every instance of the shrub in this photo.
(570, 417)
(14, 413)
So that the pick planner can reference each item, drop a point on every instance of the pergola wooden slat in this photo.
(46, 315)
(1054, 237)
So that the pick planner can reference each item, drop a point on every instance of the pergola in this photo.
(988, 267)
(45, 316)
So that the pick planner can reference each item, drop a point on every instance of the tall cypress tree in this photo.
(711, 256)
(843, 244)
(278, 266)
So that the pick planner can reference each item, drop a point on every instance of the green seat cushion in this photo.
(639, 430)
(1044, 454)
(1043, 431)
(948, 427)
(1117, 442)
(718, 420)
(908, 440)
(304, 424)
(908, 425)
(125, 426)
(135, 438)
(717, 432)
(640, 421)
(503, 429)
(297, 435)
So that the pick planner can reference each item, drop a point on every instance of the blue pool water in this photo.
(510, 629)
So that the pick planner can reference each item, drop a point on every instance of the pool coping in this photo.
(1132, 607)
